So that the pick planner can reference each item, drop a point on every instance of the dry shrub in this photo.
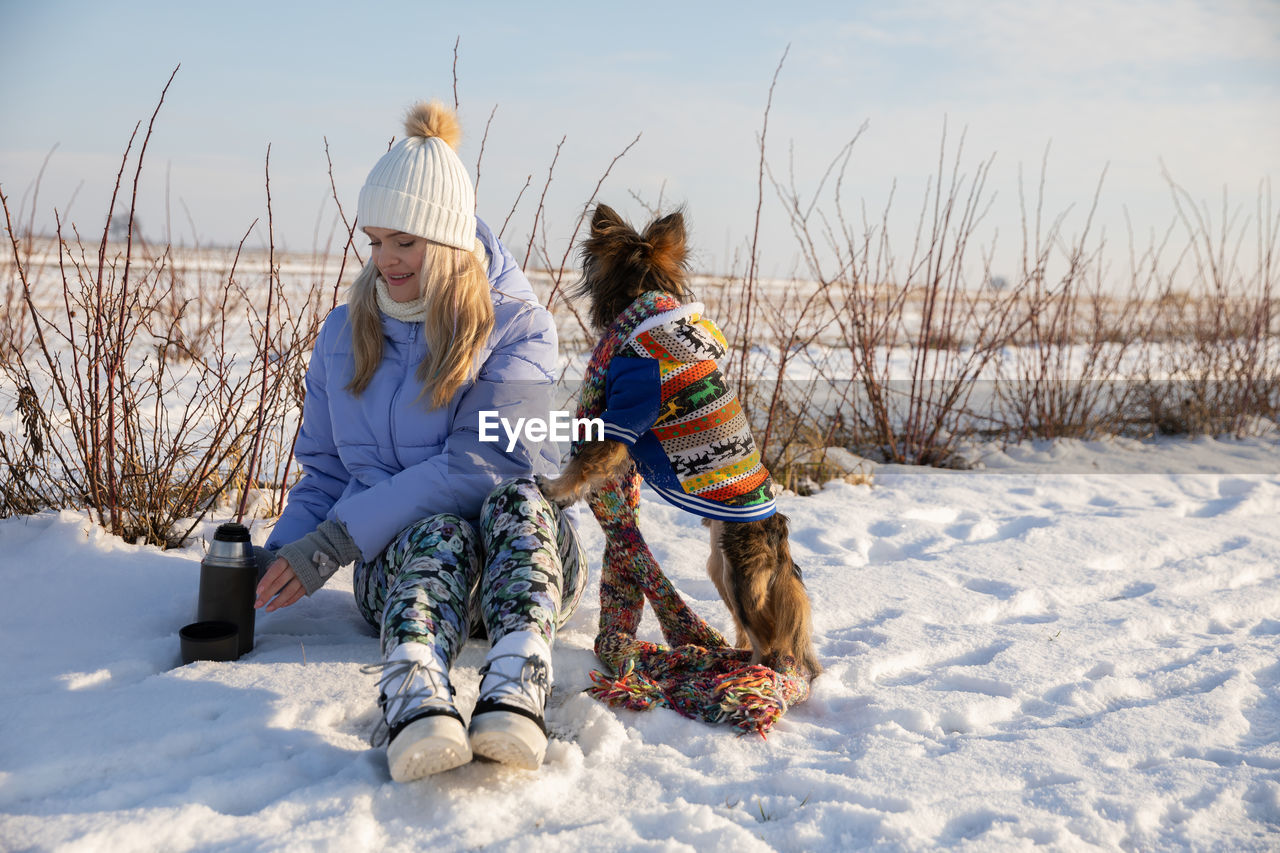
(1063, 375)
(1218, 370)
(922, 312)
(138, 399)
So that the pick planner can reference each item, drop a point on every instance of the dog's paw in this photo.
(555, 491)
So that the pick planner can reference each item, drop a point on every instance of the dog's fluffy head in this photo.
(619, 264)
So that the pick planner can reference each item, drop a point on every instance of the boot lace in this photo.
(530, 686)
(411, 701)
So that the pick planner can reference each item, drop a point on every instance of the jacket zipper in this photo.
(395, 396)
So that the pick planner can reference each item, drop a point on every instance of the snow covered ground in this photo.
(1023, 655)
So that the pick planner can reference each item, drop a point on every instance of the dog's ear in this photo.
(667, 237)
(605, 218)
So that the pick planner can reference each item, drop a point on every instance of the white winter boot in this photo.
(423, 731)
(508, 724)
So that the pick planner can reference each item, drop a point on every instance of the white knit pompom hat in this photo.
(420, 186)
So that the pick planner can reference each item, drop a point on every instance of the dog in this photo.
(750, 562)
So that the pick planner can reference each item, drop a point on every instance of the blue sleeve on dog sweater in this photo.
(631, 398)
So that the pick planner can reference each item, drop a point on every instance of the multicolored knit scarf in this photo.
(698, 674)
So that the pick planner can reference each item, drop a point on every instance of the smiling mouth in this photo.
(399, 278)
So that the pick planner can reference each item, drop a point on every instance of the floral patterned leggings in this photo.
(438, 580)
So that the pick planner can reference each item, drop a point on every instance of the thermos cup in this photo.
(228, 582)
(209, 641)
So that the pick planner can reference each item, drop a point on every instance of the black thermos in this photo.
(228, 582)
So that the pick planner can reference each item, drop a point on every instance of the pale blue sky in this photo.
(1131, 84)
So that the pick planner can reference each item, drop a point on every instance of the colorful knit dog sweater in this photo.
(698, 674)
(668, 402)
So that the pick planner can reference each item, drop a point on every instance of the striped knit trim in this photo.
(646, 345)
(694, 338)
(747, 483)
(669, 369)
(723, 415)
(719, 410)
(684, 376)
(618, 433)
(712, 509)
(723, 476)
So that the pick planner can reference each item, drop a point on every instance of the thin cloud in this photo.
(1095, 35)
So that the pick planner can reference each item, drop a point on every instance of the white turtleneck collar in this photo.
(410, 312)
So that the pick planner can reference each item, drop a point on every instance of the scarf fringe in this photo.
(715, 685)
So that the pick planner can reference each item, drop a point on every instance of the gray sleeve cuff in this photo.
(315, 557)
(263, 558)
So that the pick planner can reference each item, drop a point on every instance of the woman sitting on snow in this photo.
(447, 532)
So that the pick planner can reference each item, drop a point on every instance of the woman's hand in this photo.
(279, 586)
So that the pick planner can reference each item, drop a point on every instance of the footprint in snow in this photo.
(1133, 590)
(886, 529)
(977, 657)
(1019, 527)
(1232, 494)
(850, 640)
(998, 589)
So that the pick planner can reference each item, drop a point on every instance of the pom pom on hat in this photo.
(432, 119)
(420, 186)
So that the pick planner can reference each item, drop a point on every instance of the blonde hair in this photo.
(455, 295)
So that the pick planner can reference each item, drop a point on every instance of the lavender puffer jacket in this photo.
(382, 461)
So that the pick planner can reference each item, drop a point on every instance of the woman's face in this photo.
(398, 257)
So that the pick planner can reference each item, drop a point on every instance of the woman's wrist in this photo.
(317, 556)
